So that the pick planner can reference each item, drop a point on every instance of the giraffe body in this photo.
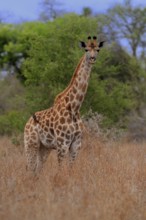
(60, 126)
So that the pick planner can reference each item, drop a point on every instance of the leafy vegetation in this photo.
(43, 56)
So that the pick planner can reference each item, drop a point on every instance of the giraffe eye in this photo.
(98, 50)
(86, 50)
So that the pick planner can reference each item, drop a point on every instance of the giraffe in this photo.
(60, 126)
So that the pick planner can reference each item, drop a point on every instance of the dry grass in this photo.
(108, 182)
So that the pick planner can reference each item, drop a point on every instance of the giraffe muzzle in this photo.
(92, 60)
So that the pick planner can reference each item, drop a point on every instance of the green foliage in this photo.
(15, 43)
(12, 122)
(11, 95)
(13, 113)
(49, 53)
(118, 64)
(52, 60)
(53, 57)
(110, 98)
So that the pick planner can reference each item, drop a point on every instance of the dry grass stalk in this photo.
(106, 183)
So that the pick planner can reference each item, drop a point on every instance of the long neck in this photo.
(75, 93)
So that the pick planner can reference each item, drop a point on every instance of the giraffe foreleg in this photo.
(62, 151)
(42, 156)
(74, 148)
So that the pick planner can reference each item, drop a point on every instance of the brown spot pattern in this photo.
(62, 120)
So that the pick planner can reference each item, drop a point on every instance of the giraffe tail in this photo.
(35, 118)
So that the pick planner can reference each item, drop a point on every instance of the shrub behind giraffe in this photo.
(49, 53)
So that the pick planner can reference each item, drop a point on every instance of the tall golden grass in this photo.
(107, 182)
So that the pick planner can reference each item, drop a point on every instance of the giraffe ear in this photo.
(82, 44)
(101, 44)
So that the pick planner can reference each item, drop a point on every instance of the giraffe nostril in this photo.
(92, 58)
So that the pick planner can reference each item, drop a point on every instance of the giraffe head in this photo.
(92, 48)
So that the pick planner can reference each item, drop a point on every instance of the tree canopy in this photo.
(42, 56)
(128, 23)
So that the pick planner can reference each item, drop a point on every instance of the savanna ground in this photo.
(108, 182)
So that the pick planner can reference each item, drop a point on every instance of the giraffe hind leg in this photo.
(31, 151)
(36, 155)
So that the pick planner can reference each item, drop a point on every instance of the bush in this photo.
(53, 57)
(50, 54)
(12, 122)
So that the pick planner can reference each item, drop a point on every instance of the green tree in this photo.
(126, 22)
(44, 56)
(87, 11)
(54, 56)
(15, 44)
